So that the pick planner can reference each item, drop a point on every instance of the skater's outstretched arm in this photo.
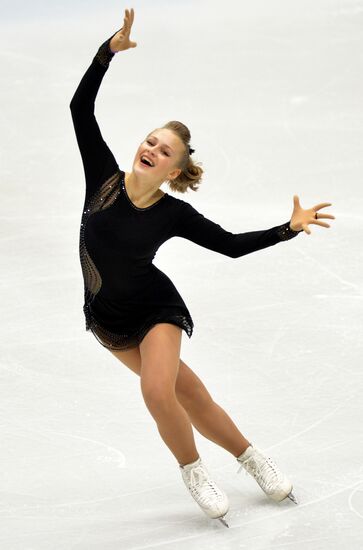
(98, 161)
(195, 227)
(192, 225)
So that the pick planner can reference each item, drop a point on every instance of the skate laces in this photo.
(263, 469)
(199, 479)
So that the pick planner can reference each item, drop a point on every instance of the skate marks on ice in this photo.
(354, 502)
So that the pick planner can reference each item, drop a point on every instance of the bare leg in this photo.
(215, 424)
(206, 415)
(175, 428)
(159, 351)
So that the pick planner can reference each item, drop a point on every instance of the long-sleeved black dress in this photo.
(125, 294)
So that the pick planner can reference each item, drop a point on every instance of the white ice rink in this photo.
(272, 93)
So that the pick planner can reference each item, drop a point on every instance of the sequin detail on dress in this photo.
(103, 198)
(123, 185)
(285, 232)
(134, 295)
(110, 340)
(104, 53)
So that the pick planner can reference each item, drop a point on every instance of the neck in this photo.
(141, 190)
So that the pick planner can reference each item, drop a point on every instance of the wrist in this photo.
(110, 49)
(104, 54)
(285, 232)
(293, 228)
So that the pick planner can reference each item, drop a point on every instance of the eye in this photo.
(150, 143)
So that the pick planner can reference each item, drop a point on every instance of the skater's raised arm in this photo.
(98, 161)
(195, 227)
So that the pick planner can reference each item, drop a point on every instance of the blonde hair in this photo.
(191, 173)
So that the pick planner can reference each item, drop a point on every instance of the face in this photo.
(164, 149)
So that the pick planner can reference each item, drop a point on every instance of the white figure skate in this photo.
(266, 473)
(212, 500)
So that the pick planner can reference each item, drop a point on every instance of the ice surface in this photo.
(272, 93)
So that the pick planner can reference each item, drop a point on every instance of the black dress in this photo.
(125, 294)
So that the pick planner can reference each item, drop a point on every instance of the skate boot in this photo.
(266, 473)
(212, 500)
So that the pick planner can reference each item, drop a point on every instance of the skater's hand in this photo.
(121, 40)
(301, 218)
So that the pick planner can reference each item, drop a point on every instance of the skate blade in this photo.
(222, 520)
(293, 498)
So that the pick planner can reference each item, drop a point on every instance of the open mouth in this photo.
(146, 162)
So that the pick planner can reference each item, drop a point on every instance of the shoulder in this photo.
(179, 204)
(179, 207)
(182, 214)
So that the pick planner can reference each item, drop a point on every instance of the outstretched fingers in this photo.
(305, 227)
(126, 28)
(303, 216)
(128, 20)
(318, 222)
(327, 216)
(296, 201)
(318, 207)
(321, 205)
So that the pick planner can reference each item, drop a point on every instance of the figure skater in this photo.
(133, 308)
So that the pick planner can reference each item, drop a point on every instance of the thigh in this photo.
(189, 387)
(131, 358)
(160, 357)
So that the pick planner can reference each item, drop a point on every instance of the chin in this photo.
(139, 169)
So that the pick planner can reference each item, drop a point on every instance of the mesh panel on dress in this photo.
(111, 340)
(286, 233)
(104, 198)
(104, 53)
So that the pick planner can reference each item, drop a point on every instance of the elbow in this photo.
(75, 109)
(237, 253)
(233, 253)
(74, 103)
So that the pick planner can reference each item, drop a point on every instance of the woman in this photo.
(133, 308)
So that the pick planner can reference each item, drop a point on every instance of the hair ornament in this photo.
(191, 150)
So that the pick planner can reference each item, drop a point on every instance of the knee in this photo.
(190, 390)
(193, 397)
(158, 397)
